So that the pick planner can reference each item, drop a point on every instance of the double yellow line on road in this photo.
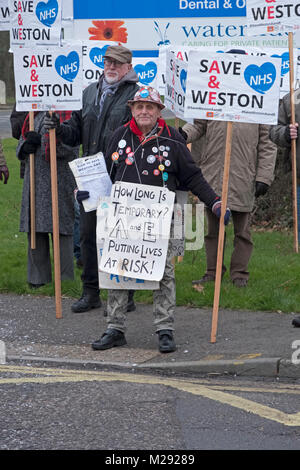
(203, 388)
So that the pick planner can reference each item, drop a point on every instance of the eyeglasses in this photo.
(110, 62)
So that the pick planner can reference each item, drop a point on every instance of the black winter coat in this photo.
(161, 160)
(94, 130)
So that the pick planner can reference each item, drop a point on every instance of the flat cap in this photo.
(120, 53)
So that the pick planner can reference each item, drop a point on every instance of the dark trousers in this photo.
(39, 269)
(88, 246)
(242, 244)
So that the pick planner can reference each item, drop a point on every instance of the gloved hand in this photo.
(216, 209)
(81, 195)
(260, 188)
(52, 122)
(4, 173)
(183, 133)
(32, 142)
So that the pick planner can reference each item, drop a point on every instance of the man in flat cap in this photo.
(104, 109)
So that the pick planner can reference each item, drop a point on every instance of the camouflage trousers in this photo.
(164, 302)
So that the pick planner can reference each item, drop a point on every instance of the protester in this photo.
(36, 142)
(251, 173)
(104, 109)
(154, 145)
(282, 134)
(16, 122)
(4, 173)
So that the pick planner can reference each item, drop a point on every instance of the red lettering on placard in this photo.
(270, 12)
(33, 62)
(212, 97)
(214, 67)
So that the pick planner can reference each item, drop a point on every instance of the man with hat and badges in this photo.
(104, 109)
(147, 151)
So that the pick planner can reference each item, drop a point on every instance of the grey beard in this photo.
(112, 80)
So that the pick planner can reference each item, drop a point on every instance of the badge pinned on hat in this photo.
(149, 94)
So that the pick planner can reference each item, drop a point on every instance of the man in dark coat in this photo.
(104, 109)
(147, 151)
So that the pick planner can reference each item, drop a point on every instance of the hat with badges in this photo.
(147, 93)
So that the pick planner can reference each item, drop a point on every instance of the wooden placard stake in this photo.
(221, 234)
(55, 223)
(293, 144)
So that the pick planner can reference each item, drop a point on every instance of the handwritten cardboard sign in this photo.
(138, 230)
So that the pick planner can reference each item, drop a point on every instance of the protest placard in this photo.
(35, 23)
(4, 16)
(146, 69)
(48, 79)
(115, 281)
(232, 87)
(91, 175)
(139, 221)
(266, 17)
(175, 87)
(93, 60)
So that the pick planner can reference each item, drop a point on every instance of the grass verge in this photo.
(274, 266)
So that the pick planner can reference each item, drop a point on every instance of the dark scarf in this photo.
(63, 116)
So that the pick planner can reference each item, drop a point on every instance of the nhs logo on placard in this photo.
(261, 78)
(68, 66)
(47, 12)
(146, 72)
(97, 56)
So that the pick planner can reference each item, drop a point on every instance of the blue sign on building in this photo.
(115, 9)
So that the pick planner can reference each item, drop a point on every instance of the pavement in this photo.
(261, 344)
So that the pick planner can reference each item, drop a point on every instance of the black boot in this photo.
(109, 339)
(86, 303)
(166, 341)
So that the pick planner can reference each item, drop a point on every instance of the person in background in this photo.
(4, 173)
(282, 134)
(16, 122)
(39, 270)
(252, 165)
(104, 109)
